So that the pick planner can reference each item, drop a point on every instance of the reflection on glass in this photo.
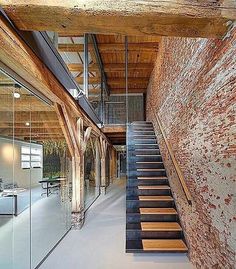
(35, 177)
(72, 50)
(91, 180)
(6, 175)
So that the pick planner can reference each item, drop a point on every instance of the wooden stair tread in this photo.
(155, 198)
(160, 226)
(157, 187)
(158, 211)
(164, 245)
(152, 223)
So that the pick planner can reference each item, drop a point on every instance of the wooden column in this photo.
(114, 164)
(111, 164)
(103, 144)
(77, 140)
(97, 165)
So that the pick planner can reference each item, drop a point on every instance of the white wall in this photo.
(11, 154)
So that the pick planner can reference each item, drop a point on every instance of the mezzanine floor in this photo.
(101, 242)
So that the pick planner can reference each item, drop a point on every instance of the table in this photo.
(12, 193)
(49, 181)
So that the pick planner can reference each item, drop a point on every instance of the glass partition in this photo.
(35, 176)
(95, 84)
(6, 174)
(115, 109)
(91, 173)
(80, 54)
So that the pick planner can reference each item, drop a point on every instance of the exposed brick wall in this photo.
(193, 90)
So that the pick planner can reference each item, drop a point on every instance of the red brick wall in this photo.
(193, 90)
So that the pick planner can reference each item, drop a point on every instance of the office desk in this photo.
(12, 193)
(51, 184)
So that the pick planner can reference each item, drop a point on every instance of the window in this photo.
(31, 157)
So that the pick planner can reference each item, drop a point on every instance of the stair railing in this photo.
(175, 163)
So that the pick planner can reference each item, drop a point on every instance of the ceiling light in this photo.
(16, 95)
(27, 124)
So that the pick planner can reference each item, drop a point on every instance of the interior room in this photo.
(35, 177)
(117, 134)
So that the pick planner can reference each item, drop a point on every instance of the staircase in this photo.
(152, 222)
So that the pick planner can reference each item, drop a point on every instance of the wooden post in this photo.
(111, 164)
(103, 144)
(77, 141)
(97, 166)
(114, 163)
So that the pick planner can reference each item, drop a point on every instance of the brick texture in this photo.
(193, 90)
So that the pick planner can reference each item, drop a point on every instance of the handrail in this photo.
(176, 165)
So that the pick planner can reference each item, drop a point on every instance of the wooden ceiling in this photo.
(116, 134)
(26, 117)
(142, 52)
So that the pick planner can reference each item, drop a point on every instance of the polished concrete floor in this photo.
(101, 242)
(36, 230)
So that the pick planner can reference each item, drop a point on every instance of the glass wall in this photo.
(115, 109)
(78, 52)
(92, 168)
(35, 178)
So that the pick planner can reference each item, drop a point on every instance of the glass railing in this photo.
(83, 59)
(115, 109)
(80, 55)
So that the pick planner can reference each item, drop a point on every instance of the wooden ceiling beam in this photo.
(109, 129)
(186, 18)
(91, 80)
(111, 47)
(131, 81)
(7, 116)
(112, 67)
(80, 67)
(31, 131)
(64, 34)
(22, 125)
(130, 90)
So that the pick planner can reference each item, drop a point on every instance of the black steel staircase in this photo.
(152, 222)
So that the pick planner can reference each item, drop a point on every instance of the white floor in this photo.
(49, 222)
(101, 242)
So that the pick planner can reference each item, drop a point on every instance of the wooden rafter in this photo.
(91, 80)
(65, 129)
(111, 47)
(132, 81)
(112, 67)
(130, 90)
